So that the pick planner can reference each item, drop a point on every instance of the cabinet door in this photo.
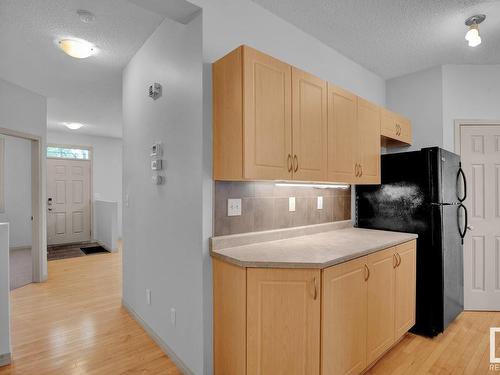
(405, 288)
(388, 126)
(368, 137)
(344, 311)
(342, 139)
(309, 124)
(267, 117)
(283, 321)
(380, 303)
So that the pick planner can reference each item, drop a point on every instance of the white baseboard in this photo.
(163, 346)
(5, 359)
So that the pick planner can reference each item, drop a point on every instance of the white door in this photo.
(68, 201)
(480, 152)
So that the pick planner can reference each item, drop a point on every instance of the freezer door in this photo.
(453, 274)
(444, 175)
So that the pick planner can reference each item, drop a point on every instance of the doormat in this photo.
(93, 250)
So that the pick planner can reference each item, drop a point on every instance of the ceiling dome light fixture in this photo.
(73, 125)
(77, 48)
(472, 36)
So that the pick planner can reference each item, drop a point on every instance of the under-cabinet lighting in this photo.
(317, 186)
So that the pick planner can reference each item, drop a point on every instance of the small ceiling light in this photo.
(77, 48)
(73, 125)
(85, 16)
(472, 36)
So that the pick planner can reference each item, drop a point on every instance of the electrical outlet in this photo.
(319, 204)
(148, 296)
(172, 316)
(234, 207)
(291, 204)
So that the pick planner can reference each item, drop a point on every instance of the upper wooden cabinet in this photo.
(368, 143)
(252, 117)
(309, 124)
(272, 121)
(342, 134)
(395, 129)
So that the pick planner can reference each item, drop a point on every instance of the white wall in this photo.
(4, 291)
(17, 185)
(25, 111)
(106, 165)
(470, 92)
(433, 99)
(230, 23)
(418, 96)
(162, 225)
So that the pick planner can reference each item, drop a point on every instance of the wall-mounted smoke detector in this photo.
(472, 36)
(85, 16)
(154, 90)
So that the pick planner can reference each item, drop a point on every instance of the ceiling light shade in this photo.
(73, 125)
(77, 48)
(472, 36)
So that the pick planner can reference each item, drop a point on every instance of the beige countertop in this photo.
(315, 246)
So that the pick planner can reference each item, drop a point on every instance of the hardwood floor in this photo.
(462, 349)
(74, 324)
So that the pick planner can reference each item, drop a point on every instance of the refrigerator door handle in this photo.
(466, 224)
(461, 173)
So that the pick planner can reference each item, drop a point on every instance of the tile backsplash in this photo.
(264, 206)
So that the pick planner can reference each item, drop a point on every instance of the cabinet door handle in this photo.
(356, 169)
(394, 260)
(399, 259)
(367, 273)
(360, 170)
(296, 163)
(289, 162)
(314, 289)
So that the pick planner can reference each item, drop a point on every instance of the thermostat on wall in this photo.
(156, 165)
(156, 150)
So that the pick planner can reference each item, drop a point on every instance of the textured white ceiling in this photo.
(396, 37)
(88, 90)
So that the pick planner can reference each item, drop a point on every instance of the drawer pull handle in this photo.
(289, 163)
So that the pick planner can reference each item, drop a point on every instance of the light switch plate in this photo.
(234, 207)
(291, 204)
(319, 204)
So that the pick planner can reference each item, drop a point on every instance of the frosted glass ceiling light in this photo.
(472, 36)
(73, 125)
(77, 48)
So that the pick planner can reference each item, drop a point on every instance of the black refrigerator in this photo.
(422, 192)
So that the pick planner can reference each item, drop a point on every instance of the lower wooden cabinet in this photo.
(343, 339)
(283, 321)
(405, 292)
(380, 306)
(338, 320)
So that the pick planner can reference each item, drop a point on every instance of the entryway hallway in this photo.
(74, 324)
